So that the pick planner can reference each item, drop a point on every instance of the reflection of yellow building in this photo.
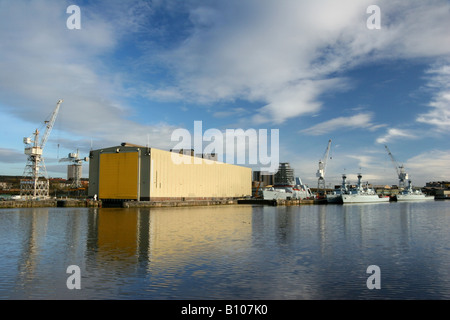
(205, 229)
(172, 235)
(118, 231)
(130, 172)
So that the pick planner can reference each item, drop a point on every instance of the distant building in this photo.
(58, 183)
(440, 189)
(187, 152)
(442, 194)
(438, 184)
(262, 179)
(5, 185)
(190, 152)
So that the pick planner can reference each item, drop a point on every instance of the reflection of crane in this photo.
(321, 171)
(32, 186)
(402, 175)
(74, 169)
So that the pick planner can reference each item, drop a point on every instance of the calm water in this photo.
(227, 252)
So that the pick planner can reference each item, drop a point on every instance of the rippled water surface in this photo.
(227, 252)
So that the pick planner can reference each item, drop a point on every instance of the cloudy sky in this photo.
(315, 70)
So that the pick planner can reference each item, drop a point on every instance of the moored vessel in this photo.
(336, 196)
(297, 191)
(286, 186)
(408, 194)
(362, 194)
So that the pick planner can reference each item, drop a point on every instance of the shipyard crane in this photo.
(400, 169)
(74, 170)
(31, 186)
(321, 171)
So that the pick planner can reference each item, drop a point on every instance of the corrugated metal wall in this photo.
(118, 175)
(209, 179)
(134, 172)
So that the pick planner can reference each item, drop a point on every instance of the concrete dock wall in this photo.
(149, 204)
(49, 203)
(168, 203)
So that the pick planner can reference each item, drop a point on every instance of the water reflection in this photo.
(227, 252)
(35, 228)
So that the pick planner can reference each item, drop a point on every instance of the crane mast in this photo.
(49, 124)
(400, 169)
(321, 171)
(74, 170)
(35, 184)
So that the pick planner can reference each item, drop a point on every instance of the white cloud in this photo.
(362, 120)
(233, 112)
(394, 133)
(439, 114)
(364, 161)
(43, 61)
(293, 100)
(261, 51)
(281, 55)
(163, 94)
(428, 166)
(418, 28)
(10, 156)
(284, 55)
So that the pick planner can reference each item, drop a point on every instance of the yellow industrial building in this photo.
(133, 172)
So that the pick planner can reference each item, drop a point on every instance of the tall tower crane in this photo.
(321, 171)
(35, 181)
(400, 169)
(74, 170)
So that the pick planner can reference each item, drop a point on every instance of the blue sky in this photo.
(138, 70)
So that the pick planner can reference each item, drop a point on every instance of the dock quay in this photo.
(49, 203)
(187, 203)
(172, 203)
(279, 202)
(147, 204)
